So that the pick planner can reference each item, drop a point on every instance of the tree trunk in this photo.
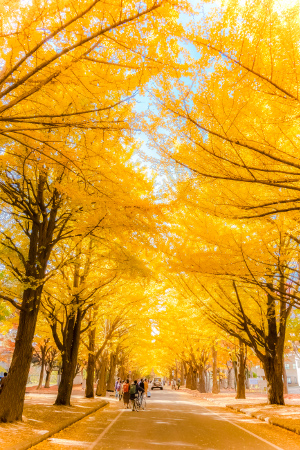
(194, 379)
(208, 381)
(112, 370)
(90, 378)
(240, 388)
(97, 371)
(40, 245)
(230, 376)
(13, 393)
(215, 388)
(184, 371)
(44, 351)
(122, 372)
(101, 385)
(273, 360)
(273, 371)
(41, 373)
(189, 379)
(66, 384)
(48, 375)
(202, 387)
(49, 366)
(122, 367)
(69, 359)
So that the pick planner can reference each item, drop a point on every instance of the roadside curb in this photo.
(62, 425)
(270, 420)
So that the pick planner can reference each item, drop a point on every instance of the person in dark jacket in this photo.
(140, 388)
(141, 384)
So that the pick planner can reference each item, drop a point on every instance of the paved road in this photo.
(173, 420)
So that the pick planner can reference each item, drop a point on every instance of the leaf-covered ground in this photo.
(255, 405)
(41, 416)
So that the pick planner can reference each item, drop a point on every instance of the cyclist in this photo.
(133, 393)
(140, 391)
(141, 384)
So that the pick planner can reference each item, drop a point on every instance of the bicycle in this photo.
(135, 404)
(139, 403)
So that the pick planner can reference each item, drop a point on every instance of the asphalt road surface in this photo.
(172, 420)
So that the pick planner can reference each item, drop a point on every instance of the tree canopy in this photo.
(149, 192)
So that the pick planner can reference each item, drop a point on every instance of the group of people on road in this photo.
(175, 384)
(128, 392)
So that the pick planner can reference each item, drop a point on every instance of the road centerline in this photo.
(105, 431)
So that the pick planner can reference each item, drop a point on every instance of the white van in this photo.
(157, 384)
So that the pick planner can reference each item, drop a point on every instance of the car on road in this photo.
(157, 384)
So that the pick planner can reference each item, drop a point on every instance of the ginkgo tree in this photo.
(67, 299)
(45, 351)
(39, 211)
(225, 121)
(68, 73)
(114, 318)
(244, 279)
(231, 115)
(185, 338)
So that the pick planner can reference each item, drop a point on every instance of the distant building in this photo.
(292, 367)
(297, 362)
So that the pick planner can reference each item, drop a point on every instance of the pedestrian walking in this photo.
(120, 390)
(126, 395)
(178, 383)
(146, 386)
(116, 388)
